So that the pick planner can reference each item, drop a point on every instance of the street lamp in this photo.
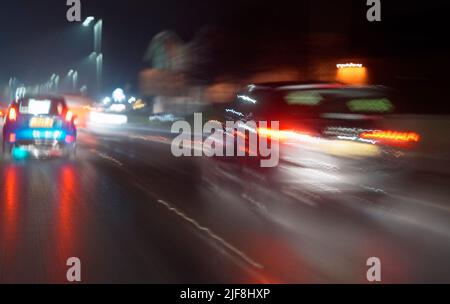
(72, 79)
(98, 32)
(75, 80)
(53, 83)
(97, 52)
(99, 67)
(88, 21)
(56, 83)
(92, 56)
(118, 95)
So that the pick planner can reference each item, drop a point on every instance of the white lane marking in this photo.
(208, 231)
(211, 234)
(151, 138)
(107, 157)
(422, 202)
(195, 145)
(257, 204)
(301, 196)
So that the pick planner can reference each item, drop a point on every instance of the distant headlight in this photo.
(108, 119)
(117, 107)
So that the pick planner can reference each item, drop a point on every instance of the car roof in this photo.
(50, 97)
(307, 85)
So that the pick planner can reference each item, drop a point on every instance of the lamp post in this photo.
(97, 52)
(73, 79)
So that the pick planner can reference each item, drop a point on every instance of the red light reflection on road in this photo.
(9, 215)
(395, 264)
(281, 261)
(66, 199)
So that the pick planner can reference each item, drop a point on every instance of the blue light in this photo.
(41, 134)
(19, 153)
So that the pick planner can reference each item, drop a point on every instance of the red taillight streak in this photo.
(12, 116)
(394, 136)
(273, 134)
(281, 134)
(70, 139)
(12, 137)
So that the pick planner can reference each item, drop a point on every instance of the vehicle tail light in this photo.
(12, 137)
(283, 135)
(389, 136)
(12, 116)
(69, 116)
(273, 134)
(70, 139)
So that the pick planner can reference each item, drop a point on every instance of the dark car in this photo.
(330, 136)
(39, 126)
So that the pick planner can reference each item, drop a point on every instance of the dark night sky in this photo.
(37, 40)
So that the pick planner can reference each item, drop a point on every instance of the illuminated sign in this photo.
(351, 73)
(349, 65)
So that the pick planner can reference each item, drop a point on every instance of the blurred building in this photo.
(163, 84)
(324, 41)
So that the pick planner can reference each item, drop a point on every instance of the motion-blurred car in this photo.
(80, 106)
(40, 126)
(164, 117)
(333, 138)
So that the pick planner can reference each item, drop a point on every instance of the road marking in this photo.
(107, 157)
(210, 233)
(151, 138)
(190, 220)
(422, 202)
(257, 204)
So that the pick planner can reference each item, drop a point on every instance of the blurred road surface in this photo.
(133, 213)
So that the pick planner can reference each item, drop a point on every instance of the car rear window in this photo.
(358, 101)
(41, 106)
